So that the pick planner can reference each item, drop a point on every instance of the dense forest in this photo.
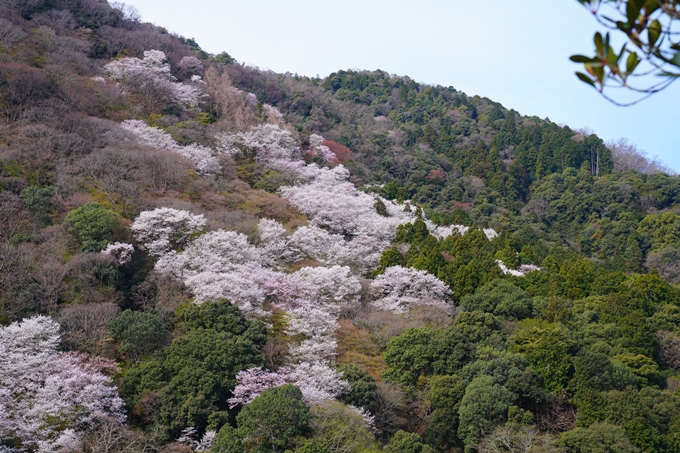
(197, 255)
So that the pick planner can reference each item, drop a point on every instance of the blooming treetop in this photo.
(270, 145)
(164, 229)
(237, 287)
(254, 381)
(48, 398)
(189, 437)
(317, 382)
(217, 251)
(121, 251)
(204, 160)
(152, 73)
(401, 288)
(521, 272)
(319, 149)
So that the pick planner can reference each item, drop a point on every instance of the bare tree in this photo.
(10, 33)
(627, 156)
(113, 437)
(12, 215)
(512, 438)
(669, 344)
(84, 326)
(667, 263)
(387, 403)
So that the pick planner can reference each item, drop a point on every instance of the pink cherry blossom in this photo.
(401, 288)
(164, 229)
(121, 251)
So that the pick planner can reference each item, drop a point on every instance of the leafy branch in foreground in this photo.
(649, 60)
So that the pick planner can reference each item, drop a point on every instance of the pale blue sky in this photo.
(514, 52)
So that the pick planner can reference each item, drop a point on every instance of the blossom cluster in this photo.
(48, 398)
(268, 144)
(121, 251)
(203, 158)
(521, 272)
(152, 74)
(400, 288)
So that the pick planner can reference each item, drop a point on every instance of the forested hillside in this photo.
(198, 255)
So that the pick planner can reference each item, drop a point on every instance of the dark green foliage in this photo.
(501, 298)
(93, 225)
(38, 201)
(404, 442)
(273, 420)
(477, 325)
(222, 316)
(484, 406)
(425, 352)
(227, 440)
(599, 438)
(191, 379)
(546, 346)
(444, 395)
(362, 386)
(139, 333)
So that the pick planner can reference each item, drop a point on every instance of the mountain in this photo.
(200, 255)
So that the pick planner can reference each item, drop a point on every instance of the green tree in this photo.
(444, 394)
(598, 438)
(93, 225)
(483, 407)
(547, 349)
(38, 201)
(273, 420)
(189, 382)
(404, 442)
(477, 325)
(337, 427)
(227, 440)
(223, 316)
(362, 386)
(501, 298)
(139, 333)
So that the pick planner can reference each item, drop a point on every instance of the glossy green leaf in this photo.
(654, 32)
(580, 59)
(652, 5)
(632, 11)
(632, 62)
(675, 61)
(585, 78)
(599, 44)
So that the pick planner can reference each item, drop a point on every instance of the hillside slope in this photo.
(197, 255)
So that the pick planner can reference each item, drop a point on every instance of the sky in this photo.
(513, 52)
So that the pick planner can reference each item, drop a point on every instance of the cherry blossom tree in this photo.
(121, 251)
(218, 251)
(521, 272)
(328, 288)
(190, 438)
(273, 241)
(48, 399)
(164, 229)
(254, 381)
(204, 160)
(321, 150)
(233, 286)
(190, 66)
(318, 382)
(270, 145)
(151, 79)
(402, 288)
